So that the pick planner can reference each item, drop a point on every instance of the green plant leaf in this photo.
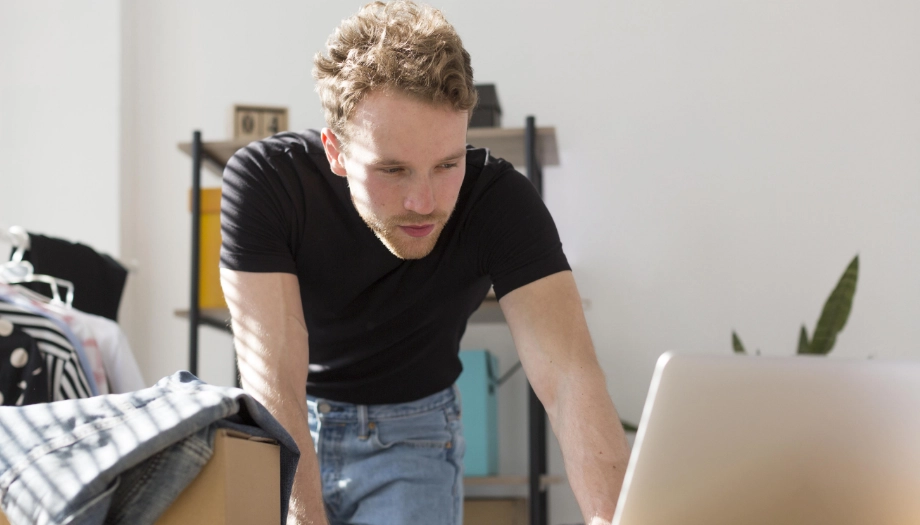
(629, 427)
(736, 344)
(803, 341)
(836, 311)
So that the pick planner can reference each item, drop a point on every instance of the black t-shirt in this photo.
(382, 329)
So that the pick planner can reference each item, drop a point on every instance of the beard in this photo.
(400, 243)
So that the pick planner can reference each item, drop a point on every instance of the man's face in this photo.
(405, 163)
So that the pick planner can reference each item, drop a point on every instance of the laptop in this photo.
(745, 440)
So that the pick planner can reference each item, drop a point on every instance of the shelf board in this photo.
(506, 143)
(215, 317)
(488, 312)
(545, 480)
(216, 154)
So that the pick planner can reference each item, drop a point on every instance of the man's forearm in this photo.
(593, 443)
(306, 504)
(551, 335)
(272, 347)
(288, 406)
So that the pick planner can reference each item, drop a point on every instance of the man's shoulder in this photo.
(491, 174)
(293, 144)
(483, 160)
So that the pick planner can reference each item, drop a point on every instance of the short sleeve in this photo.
(257, 214)
(519, 242)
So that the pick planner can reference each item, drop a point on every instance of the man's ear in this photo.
(334, 154)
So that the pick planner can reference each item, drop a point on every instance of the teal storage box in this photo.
(478, 384)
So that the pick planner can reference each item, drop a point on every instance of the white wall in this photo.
(59, 119)
(191, 63)
(721, 161)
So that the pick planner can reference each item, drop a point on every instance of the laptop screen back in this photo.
(763, 440)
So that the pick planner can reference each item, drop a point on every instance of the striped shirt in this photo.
(66, 377)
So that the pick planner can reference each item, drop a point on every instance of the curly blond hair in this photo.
(400, 45)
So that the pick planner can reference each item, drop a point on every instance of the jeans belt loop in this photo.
(362, 422)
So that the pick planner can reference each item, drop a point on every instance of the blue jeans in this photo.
(390, 464)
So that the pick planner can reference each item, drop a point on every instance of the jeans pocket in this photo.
(425, 430)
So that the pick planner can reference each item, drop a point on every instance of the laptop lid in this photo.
(776, 440)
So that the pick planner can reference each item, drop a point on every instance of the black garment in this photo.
(98, 279)
(382, 330)
(23, 375)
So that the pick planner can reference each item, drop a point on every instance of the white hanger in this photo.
(19, 271)
(18, 238)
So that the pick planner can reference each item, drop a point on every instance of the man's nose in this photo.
(420, 197)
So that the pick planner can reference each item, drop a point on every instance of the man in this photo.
(352, 259)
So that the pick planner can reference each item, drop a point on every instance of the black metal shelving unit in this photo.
(537, 488)
(194, 307)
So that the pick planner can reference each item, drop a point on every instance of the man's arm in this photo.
(549, 330)
(270, 337)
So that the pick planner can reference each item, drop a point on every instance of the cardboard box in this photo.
(495, 511)
(478, 385)
(239, 485)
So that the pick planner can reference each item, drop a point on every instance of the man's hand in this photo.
(552, 339)
(599, 521)
(270, 337)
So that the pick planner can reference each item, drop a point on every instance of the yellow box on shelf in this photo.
(210, 294)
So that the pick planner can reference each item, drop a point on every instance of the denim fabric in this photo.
(167, 472)
(390, 464)
(122, 458)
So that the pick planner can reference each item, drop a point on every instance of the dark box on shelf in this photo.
(488, 112)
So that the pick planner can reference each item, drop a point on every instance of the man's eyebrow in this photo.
(455, 156)
(392, 161)
(386, 162)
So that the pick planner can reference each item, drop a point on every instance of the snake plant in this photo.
(833, 317)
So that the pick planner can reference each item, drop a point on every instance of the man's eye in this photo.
(391, 170)
(448, 165)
